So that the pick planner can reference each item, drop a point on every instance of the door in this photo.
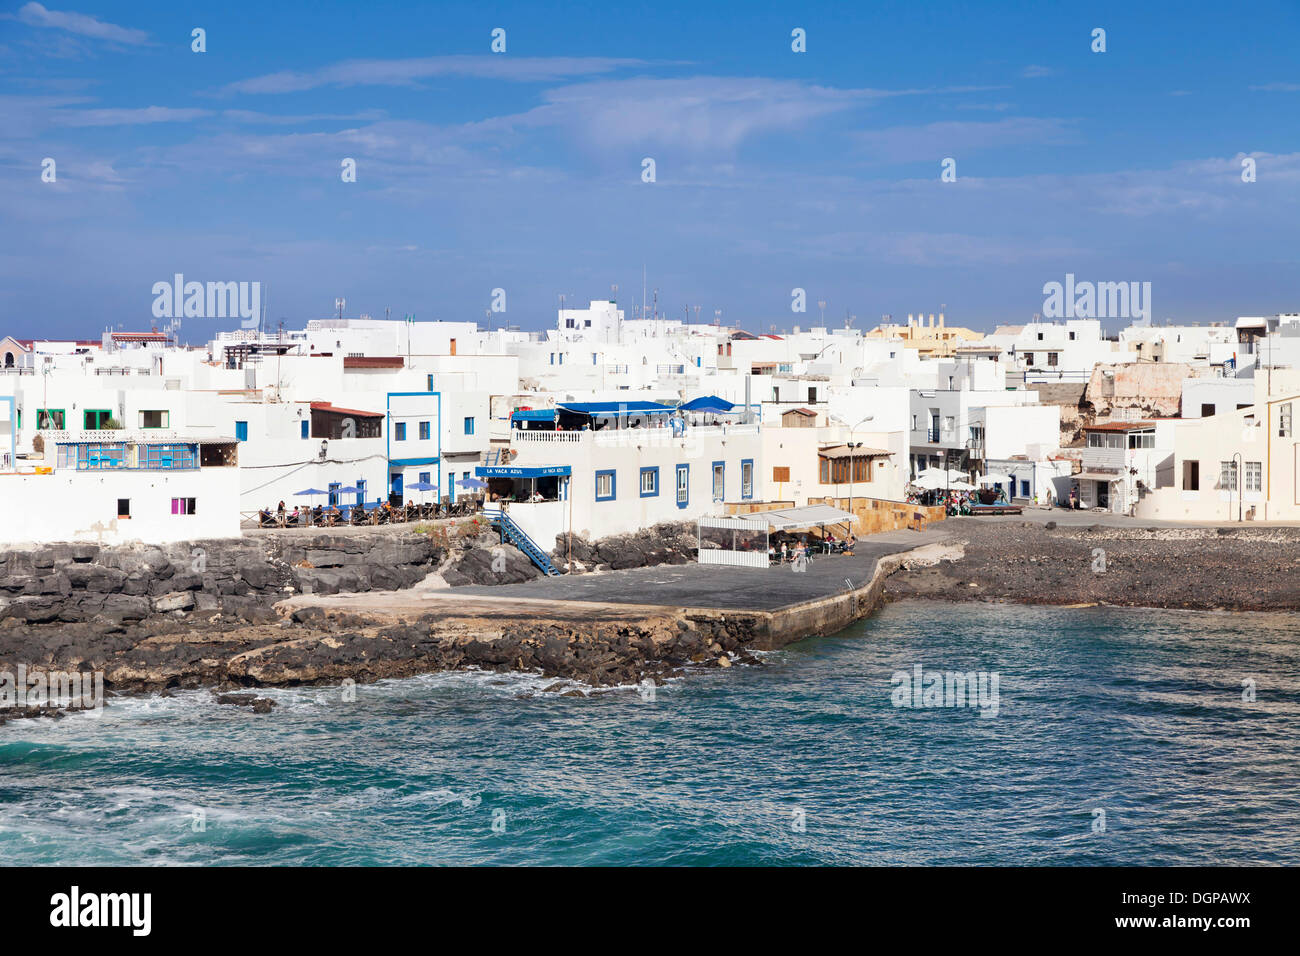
(395, 497)
(1103, 494)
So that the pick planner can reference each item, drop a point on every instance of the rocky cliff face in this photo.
(668, 543)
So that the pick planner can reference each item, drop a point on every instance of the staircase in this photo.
(514, 534)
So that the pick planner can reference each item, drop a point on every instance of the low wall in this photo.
(825, 615)
(878, 515)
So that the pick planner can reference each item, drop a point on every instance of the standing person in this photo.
(1073, 500)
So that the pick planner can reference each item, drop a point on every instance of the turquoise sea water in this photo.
(803, 760)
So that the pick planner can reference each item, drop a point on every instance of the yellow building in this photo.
(930, 341)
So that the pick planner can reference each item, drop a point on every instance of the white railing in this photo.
(525, 435)
(109, 435)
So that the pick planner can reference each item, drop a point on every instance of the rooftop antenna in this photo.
(717, 317)
(697, 315)
(643, 290)
(339, 304)
(655, 315)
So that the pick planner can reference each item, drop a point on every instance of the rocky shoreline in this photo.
(1204, 569)
(156, 619)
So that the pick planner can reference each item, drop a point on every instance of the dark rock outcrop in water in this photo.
(1239, 568)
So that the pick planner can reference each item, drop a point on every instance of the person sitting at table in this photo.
(264, 517)
(358, 513)
(292, 520)
(316, 514)
(849, 542)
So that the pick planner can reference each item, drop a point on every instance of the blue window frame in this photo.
(424, 478)
(334, 487)
(399, 431)
(650, 482)
(306, 428)
(719, 481)
(431, 383)
(424, 431)
(683, 485)
(241, 431)
(361, 491)
(747, 478)
(469, 424)
(606, 485)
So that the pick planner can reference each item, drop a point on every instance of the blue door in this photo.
(397, 485)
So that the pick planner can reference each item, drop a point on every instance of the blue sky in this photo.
(522, 170)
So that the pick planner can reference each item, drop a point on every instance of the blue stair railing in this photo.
(516, 535)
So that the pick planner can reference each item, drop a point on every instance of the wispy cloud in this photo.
(1278, 87)
(903, 143)
(1034, 71)
(81, 24)
(409, 72)
(128, 117)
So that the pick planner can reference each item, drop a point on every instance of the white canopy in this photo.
(995, 479)
(961, 486)
(804, 517)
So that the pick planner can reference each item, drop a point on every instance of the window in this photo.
(49, 418)
(1227, 476)
(1071, 336)
(399, 431)
(305, 428)
(431, 383)
(241, 431)
(1029, 358)
(424, 478)
(424, 431)
(1283, 421)
(605, 490)
(1143, 439)
(593, 358)
(1040, 336)
(124, 507)
(835, 471)
(182, 506)
(683, 485)
(1207, 409)
(1191, 475)
(469, 425)
(1053, 358)
(747, 478)
(649, 482)
(1254, 476)
(781, 472)
(719, 480)
(154, 418)
(95, 419)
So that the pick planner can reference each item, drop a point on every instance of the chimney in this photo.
(940, 320)
(909, 320)
(931, 320)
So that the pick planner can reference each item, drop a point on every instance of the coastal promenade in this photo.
(714, 586)
(778, 604)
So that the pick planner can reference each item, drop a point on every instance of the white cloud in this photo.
(35, 15)
(407, 72)
(128, 117)
(953, 138)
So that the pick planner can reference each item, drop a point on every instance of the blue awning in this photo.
(517, 471)
(603, 409)
(534, 415)
(709, 403)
